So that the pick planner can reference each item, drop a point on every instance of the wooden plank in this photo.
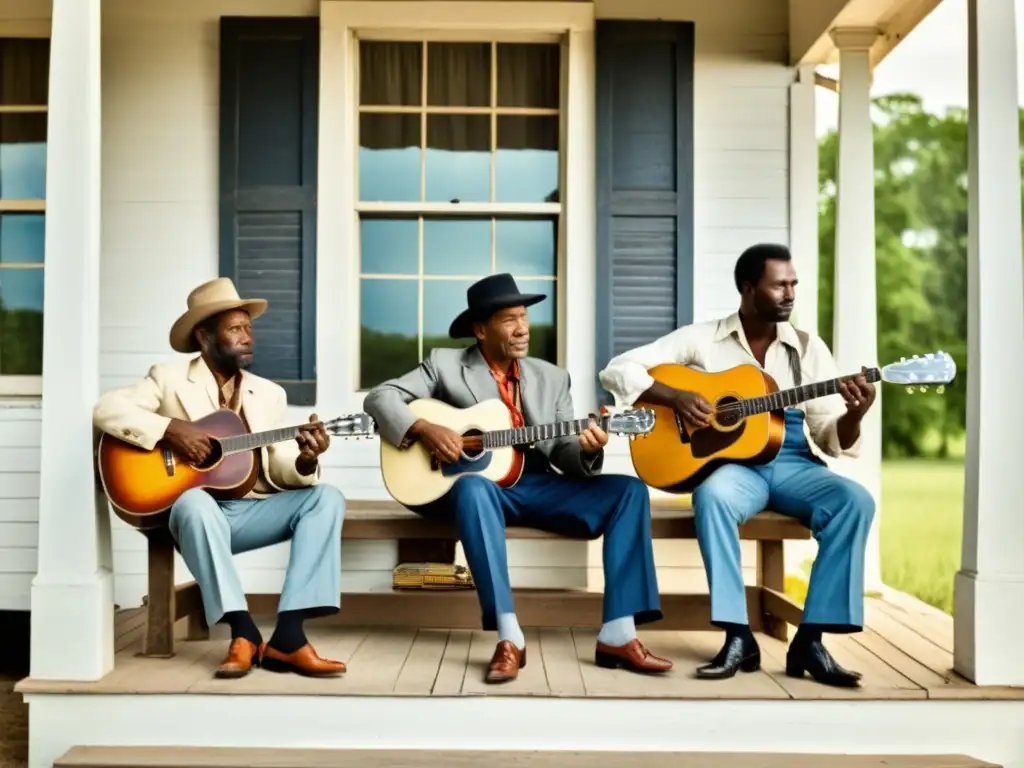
(377, 663)
(251, 757)
(422, 665)
(670, 519)
(535, 608)
(935, 627)
(558, 651)
(452, 672)
(532, 680)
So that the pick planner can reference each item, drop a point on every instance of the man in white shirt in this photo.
(797, 482)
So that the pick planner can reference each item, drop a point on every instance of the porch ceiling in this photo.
(811, 20)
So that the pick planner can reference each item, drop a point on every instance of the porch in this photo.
(422, 690)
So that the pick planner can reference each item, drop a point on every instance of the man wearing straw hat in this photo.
(286, 502)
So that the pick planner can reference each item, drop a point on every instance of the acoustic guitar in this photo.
(748, 423)
(490, 446)
(143, 485)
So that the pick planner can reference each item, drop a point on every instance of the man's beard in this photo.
(771, 312)
(225, 360)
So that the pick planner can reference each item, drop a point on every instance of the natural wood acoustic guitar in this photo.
(490, 444)
(143, 485)
(748, 423)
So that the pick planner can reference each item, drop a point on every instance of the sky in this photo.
(931, 62)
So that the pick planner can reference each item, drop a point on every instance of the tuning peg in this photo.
(923, 388)
(940, 389)
(910, 390)
(903, 359)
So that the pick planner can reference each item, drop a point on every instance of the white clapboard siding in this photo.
(19, 502)
(160, 239)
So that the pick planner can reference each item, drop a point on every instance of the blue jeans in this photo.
(796, 483)
(615, 506)
(209, 532)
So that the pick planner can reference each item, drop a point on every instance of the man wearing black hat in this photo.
(577, 502)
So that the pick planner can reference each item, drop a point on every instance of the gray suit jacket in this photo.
(461, 378)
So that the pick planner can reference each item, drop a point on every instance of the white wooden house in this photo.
(619, 153)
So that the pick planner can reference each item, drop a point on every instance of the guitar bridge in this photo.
(169, 461)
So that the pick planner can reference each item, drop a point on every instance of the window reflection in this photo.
(389, 158)
(457, 246)
(21, 322)
(458, 158)
(526, 160)
(525, 246)
(389, 246)
(389, 339)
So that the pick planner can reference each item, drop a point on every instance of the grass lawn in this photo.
(921, 522)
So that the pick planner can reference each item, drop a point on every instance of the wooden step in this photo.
(232, 757)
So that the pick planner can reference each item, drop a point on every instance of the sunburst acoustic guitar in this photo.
(490, 445)
(143, 485)
(748, 423)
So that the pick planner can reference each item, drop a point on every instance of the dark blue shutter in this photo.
(268, 162)
(644, 183)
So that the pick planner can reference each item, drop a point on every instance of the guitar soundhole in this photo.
(729, 413)
(216, 454)
(472, 443)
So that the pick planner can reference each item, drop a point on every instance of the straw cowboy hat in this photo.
(209, 299)
(487, 296)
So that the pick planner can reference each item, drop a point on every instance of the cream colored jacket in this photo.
(139, 413)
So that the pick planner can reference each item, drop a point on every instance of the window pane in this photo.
(526, 164)
(525, 246)
(459, 74)
(389, 158)
(390, 74)
(24, 71)
(23, 156)
(389, 342)
(21, 321)
(390, 246)
(528, 75)
(457, 247)
(22, 237)
(458, 158)
(443, 300)
(543, 332)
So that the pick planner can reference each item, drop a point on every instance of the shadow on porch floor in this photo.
(903, 654)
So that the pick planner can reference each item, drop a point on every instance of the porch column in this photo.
(989, 589)
(72, 592)
(855, 337)
(803, 243)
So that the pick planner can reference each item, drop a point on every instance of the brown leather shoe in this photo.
(632, 656)
(239, 660)
(505, 663)
(304, 661)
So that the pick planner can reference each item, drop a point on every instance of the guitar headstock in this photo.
(352, 425)
(920, 372)
(631, 422)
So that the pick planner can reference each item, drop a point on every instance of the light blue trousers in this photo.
(209, 532)
(837, 510)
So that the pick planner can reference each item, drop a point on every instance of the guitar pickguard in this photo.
(464, 465)
(709, 441)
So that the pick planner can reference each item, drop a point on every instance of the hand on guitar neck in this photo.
(694, 409)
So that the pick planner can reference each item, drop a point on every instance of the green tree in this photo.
(921, 258)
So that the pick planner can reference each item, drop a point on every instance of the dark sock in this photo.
(807, 634)
(242, 625)
(741, 631)
(288, 636)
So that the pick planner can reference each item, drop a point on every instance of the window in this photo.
(459, 177)
(24, 81)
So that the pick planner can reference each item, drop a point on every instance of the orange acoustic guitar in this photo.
(142, 485)
(748, 424)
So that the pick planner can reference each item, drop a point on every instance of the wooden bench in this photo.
(420, 539)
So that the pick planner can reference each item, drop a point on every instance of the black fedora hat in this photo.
(487, 296)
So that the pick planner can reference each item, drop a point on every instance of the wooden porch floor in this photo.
(904, 653)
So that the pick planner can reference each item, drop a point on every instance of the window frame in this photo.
(11, 385)
(338, 265)
(476, 211)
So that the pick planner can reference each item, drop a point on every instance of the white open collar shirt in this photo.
(718, 345)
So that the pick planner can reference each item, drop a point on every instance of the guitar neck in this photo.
(787, 398)
(519, 436)
(254, 440)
